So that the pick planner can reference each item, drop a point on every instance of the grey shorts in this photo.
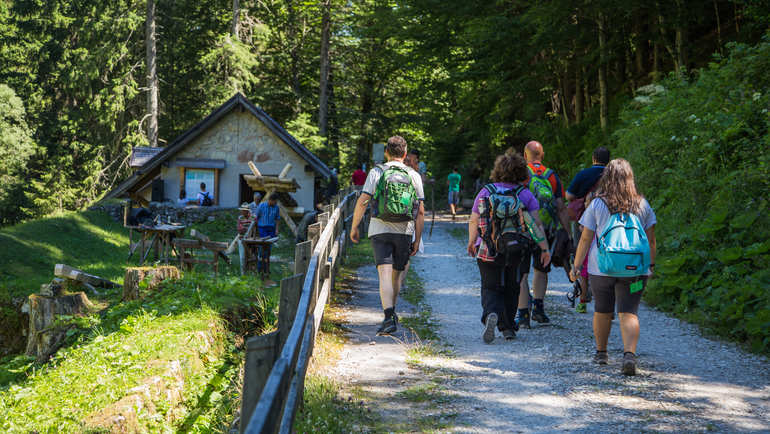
(454, 197)
(612, 291)
(392, 249)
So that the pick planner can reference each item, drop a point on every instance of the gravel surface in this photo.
(544, 380)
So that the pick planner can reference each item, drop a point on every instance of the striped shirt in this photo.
(267, 215)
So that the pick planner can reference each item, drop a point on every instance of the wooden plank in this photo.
(212, 245)
(313, 233)
(287, 218)
(243, 255)
(285, 171)
(254, 169)
(216, 187)
(261, 353)
(302, 253)
(291, 288)
(62, 270)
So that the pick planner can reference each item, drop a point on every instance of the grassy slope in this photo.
(88, 240)
(130, 341)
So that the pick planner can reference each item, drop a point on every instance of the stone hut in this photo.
(217, 151)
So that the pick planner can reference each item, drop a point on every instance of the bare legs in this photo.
(629, 330)
(390, 285)
(539, 283)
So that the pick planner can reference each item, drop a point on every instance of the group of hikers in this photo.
(604, 238)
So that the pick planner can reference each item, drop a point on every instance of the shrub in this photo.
(700, 148)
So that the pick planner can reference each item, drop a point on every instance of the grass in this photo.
(459, 233)
(88, 240)
(198, 321)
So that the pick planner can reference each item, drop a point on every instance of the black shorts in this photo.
(392, 249)
(537, 264)
(611, 291)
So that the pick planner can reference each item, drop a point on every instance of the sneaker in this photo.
(629, 363)
(581, 308)
(509, 334)
(489, 328)
(388, 326)
(601, 358)
(540, 316)
(523, 322)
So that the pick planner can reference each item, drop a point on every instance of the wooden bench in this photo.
(187, 250)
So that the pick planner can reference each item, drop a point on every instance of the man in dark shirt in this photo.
(577, 191)
(585, 180)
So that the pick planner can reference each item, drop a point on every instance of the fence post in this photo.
(291, 288)
(261, 353)
(313, 233)
(302, 253)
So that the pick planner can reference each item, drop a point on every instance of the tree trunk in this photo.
(45, 335)
(578, 94)
(323, 100)
(294, 41)
(152, 76)
(681, 50)
(132, 287)
(603, 96)
(236, 20)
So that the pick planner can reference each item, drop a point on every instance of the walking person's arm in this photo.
(473, 233)
(358, 214)
(418, 227)
(653, 246)
(582, 250)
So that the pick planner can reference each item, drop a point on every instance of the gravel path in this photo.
(544, 381)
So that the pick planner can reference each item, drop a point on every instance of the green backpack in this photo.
(541, 188)
(395, 196)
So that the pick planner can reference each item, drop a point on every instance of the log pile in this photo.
(132, 287)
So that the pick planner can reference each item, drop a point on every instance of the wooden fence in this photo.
(276, 363)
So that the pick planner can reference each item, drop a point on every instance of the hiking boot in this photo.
(523, 321)
(581, 308)
(489, 328)
(540, 316)
(601, 358)
(629, 363)
(388, 326)
(509, 334)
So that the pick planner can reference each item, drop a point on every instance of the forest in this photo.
(679, 88)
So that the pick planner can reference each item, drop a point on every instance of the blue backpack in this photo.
(622, 248)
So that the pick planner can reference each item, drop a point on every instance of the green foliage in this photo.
(700, 151)
(16, 148)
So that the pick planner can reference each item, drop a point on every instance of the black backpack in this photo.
(206, 199)
(506, 235)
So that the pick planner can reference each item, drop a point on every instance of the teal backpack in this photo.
(541, 188)
(395, 196)
(622, 249)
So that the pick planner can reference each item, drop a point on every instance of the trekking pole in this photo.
(433, 205)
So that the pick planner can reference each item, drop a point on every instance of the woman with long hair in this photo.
(501, 275)
(617, 193)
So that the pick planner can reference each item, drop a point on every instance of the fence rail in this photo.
(276, 363)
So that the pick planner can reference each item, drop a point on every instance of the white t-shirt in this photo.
(596, 216)
(377, 226)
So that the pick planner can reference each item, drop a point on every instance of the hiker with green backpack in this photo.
(546, 187)
(503, 225)
(396, 194)
(620, 224)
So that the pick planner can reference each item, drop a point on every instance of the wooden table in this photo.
(248, 249)
(187, 253)
(159, 236)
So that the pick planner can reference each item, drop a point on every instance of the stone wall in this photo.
(169, 212)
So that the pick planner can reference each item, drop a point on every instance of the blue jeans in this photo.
(263, 265)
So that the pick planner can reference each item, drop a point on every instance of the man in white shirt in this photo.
(392, 241)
